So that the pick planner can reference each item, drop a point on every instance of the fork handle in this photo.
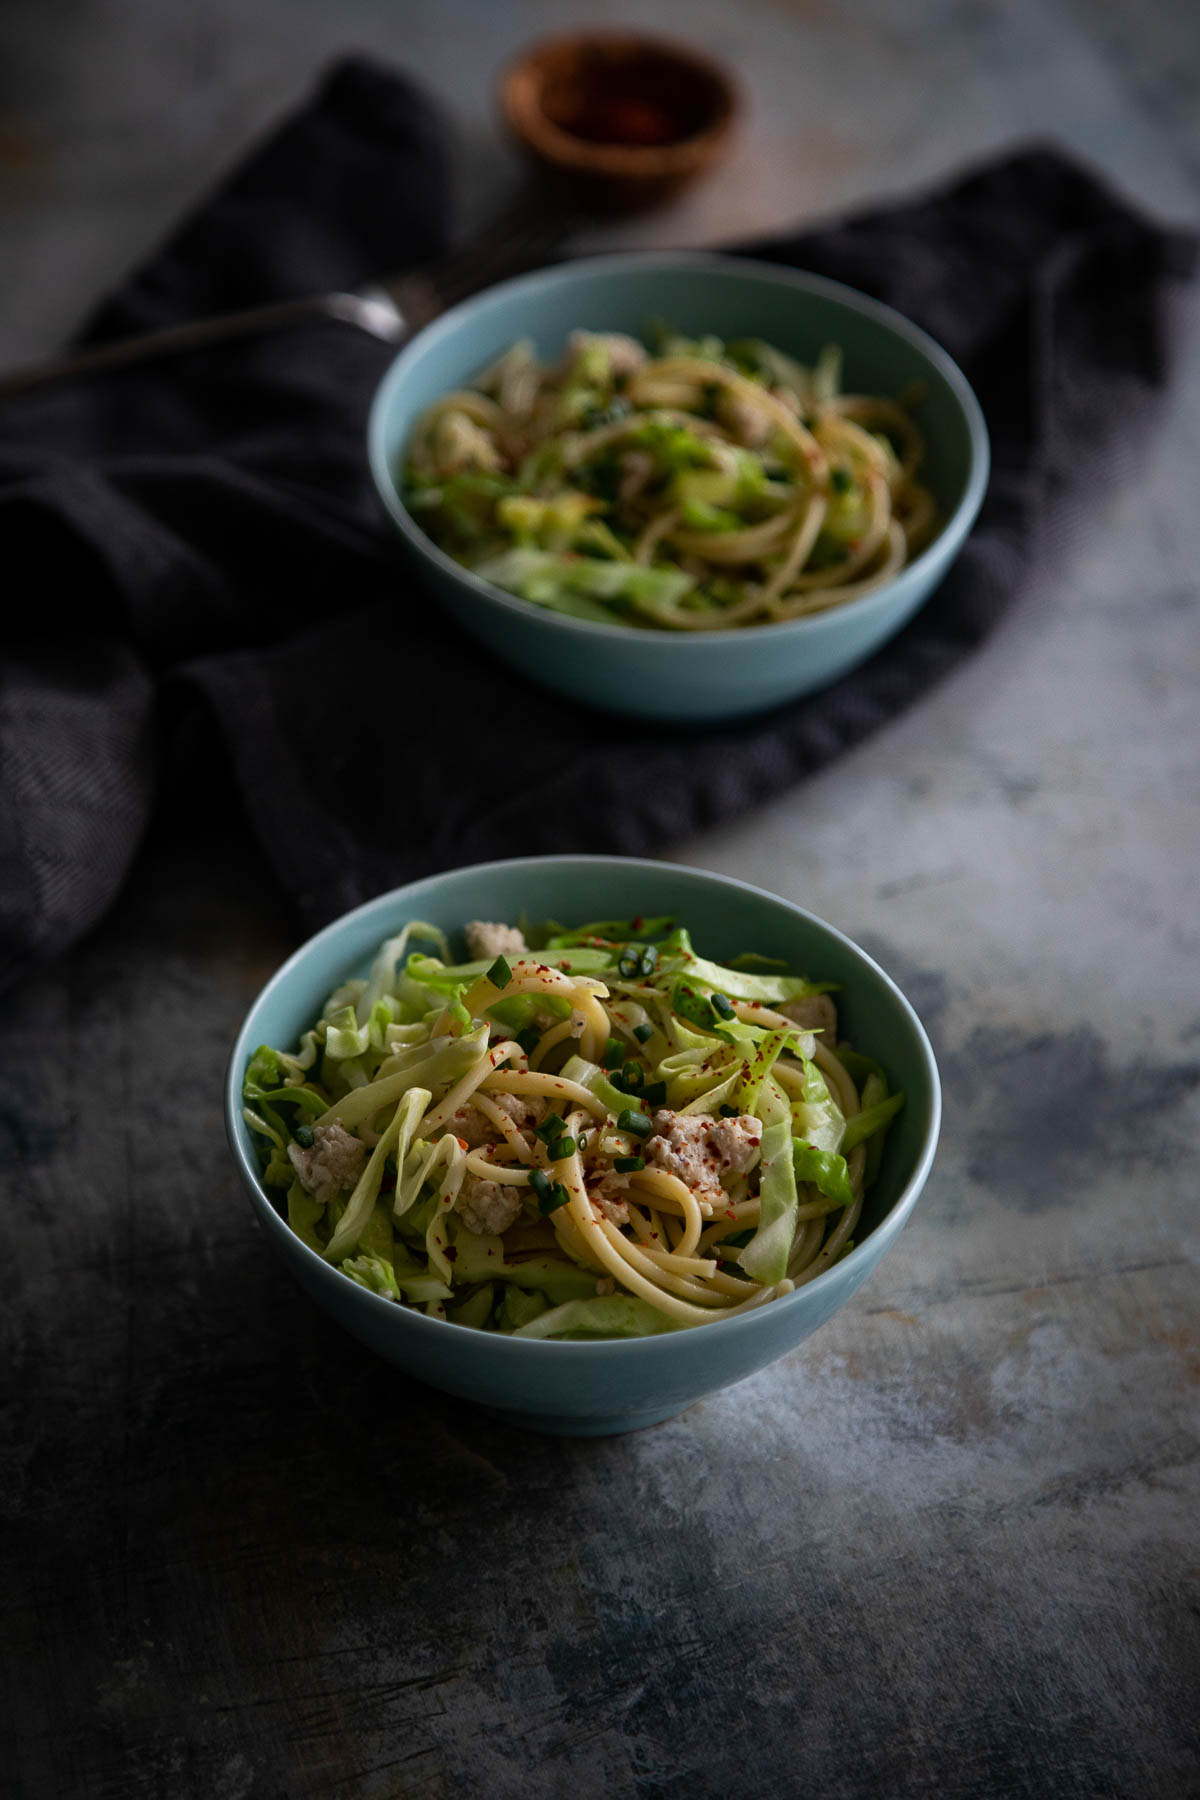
(197, 334)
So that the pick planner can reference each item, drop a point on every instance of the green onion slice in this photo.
(558, 1196)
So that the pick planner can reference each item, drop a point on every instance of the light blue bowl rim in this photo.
(942, 548)
(664, 1345)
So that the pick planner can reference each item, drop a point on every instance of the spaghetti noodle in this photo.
(608, 1135)
(710, 486)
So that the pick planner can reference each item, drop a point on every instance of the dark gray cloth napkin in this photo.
(206, 527)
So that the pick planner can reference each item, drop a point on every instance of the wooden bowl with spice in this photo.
(620, 120)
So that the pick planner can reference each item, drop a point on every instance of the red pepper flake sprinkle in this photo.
(450, 1253)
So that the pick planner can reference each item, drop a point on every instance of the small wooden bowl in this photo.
(621, 120)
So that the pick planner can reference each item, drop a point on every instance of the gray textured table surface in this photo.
(951, 1546)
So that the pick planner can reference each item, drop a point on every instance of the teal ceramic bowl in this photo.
(591, 1389)
(701, 675)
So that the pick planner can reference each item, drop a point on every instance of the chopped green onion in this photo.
(723, 1006)
(643, 1033)
(529, 1038)
(726, 1111)
(550, 1194)
(649, 960)
(633, 1076)
(561, 1148)
(628, 1165)
(303, 1135)
(614, 1053)
(550, 1129)
(541, 1183)
(499, 974)
(654, 1093)
(841, 480)
(629, 963)
(634, 1122)
(697, 1008)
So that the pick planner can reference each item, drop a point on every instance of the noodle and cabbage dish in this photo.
(604, 1136)
(706, 486)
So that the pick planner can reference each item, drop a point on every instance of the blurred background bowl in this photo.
(697, 675)
(592, 1389)
(618, 120)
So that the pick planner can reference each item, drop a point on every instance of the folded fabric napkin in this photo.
(207, 525)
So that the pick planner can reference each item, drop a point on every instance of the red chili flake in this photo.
(450, 1253)
(730, 1214)
(462, 1143)
(637, 923)
(754, 1141)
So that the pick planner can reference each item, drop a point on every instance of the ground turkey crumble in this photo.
(488, 1207)
(700, 1149)
(487, 939)
(334, 1163)
(469, 1124)
(608, 1193)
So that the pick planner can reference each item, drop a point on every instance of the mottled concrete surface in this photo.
(950, 1546)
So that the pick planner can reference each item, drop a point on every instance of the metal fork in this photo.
(528, 233)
